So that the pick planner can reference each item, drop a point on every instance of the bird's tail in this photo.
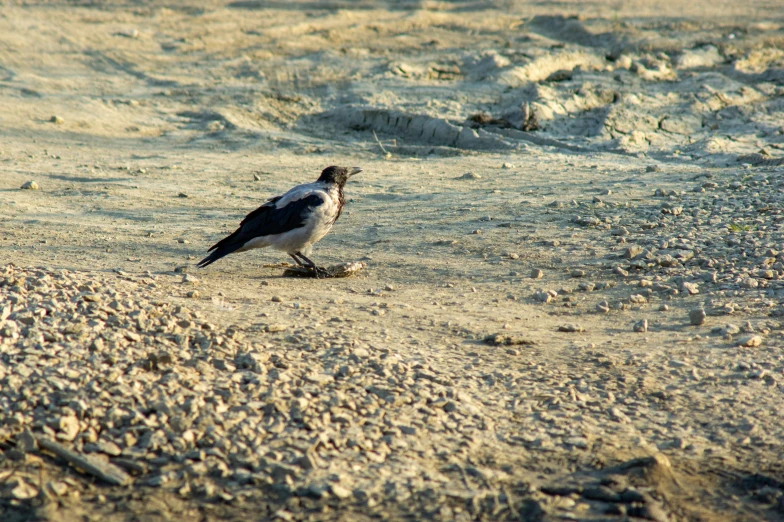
(219, 251)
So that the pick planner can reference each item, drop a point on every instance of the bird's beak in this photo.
(355, 171)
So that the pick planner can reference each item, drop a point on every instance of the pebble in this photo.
(750, 341)
(543, 297)
(638, 299)
(57, 120)
(536, 273)
(690, 288)
(571, 327)
(23, 491)
(69, 428)
(641, 326)
(470, 175)
(632, 251)
(30, 185)
(620, 271)
(339, 491)
(697, 316)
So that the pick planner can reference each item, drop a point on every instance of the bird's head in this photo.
(338, 175)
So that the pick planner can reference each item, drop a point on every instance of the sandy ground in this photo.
(646, 188)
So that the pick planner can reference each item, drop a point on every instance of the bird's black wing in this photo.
(266, 220)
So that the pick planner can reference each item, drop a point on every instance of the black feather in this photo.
(267, 220)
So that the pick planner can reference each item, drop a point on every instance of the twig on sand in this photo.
(386, 153)
(103, 470)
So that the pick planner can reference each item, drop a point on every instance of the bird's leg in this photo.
(296, 260)
(320, 272)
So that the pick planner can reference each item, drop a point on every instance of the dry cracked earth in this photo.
(572, 225)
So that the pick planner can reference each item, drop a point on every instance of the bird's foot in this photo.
(320, 273)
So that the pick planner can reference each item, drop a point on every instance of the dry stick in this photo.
(104, 470)
(379, 143)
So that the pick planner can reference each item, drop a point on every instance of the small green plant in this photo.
(734, 227)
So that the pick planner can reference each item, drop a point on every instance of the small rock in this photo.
(188, 278)
(536, 274)
(571, 327)
(632, 252)
(697, 316)
(690, 288)
(652, 168)
(663, 193)
(578, 273)
(729, 329)
(182, 195)
(23, 491)
(276, 299)
(620, 271)
(603, 307)
(129, 33)
(750, 341)
(749, 282)
(26, 442)
(543, 297)
(507, 166)
(339, 491)
(256, 177)
(57, 120)
(69, 428)
(470, 175)
(193, 294)
(641, 326)
(30, 185)
(57, 488)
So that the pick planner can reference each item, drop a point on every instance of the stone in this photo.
(750, 341)
(632, 251)
(690, 288)
(641, 326)
(620, 271)
(697, 316)
(571, 327)
(339, 491)
(69, 428)
(543, 297)
(23, 490)
(30, 185)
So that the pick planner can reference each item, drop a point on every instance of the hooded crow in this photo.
(292, 222)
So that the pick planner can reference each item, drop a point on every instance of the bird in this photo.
(292, 222)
